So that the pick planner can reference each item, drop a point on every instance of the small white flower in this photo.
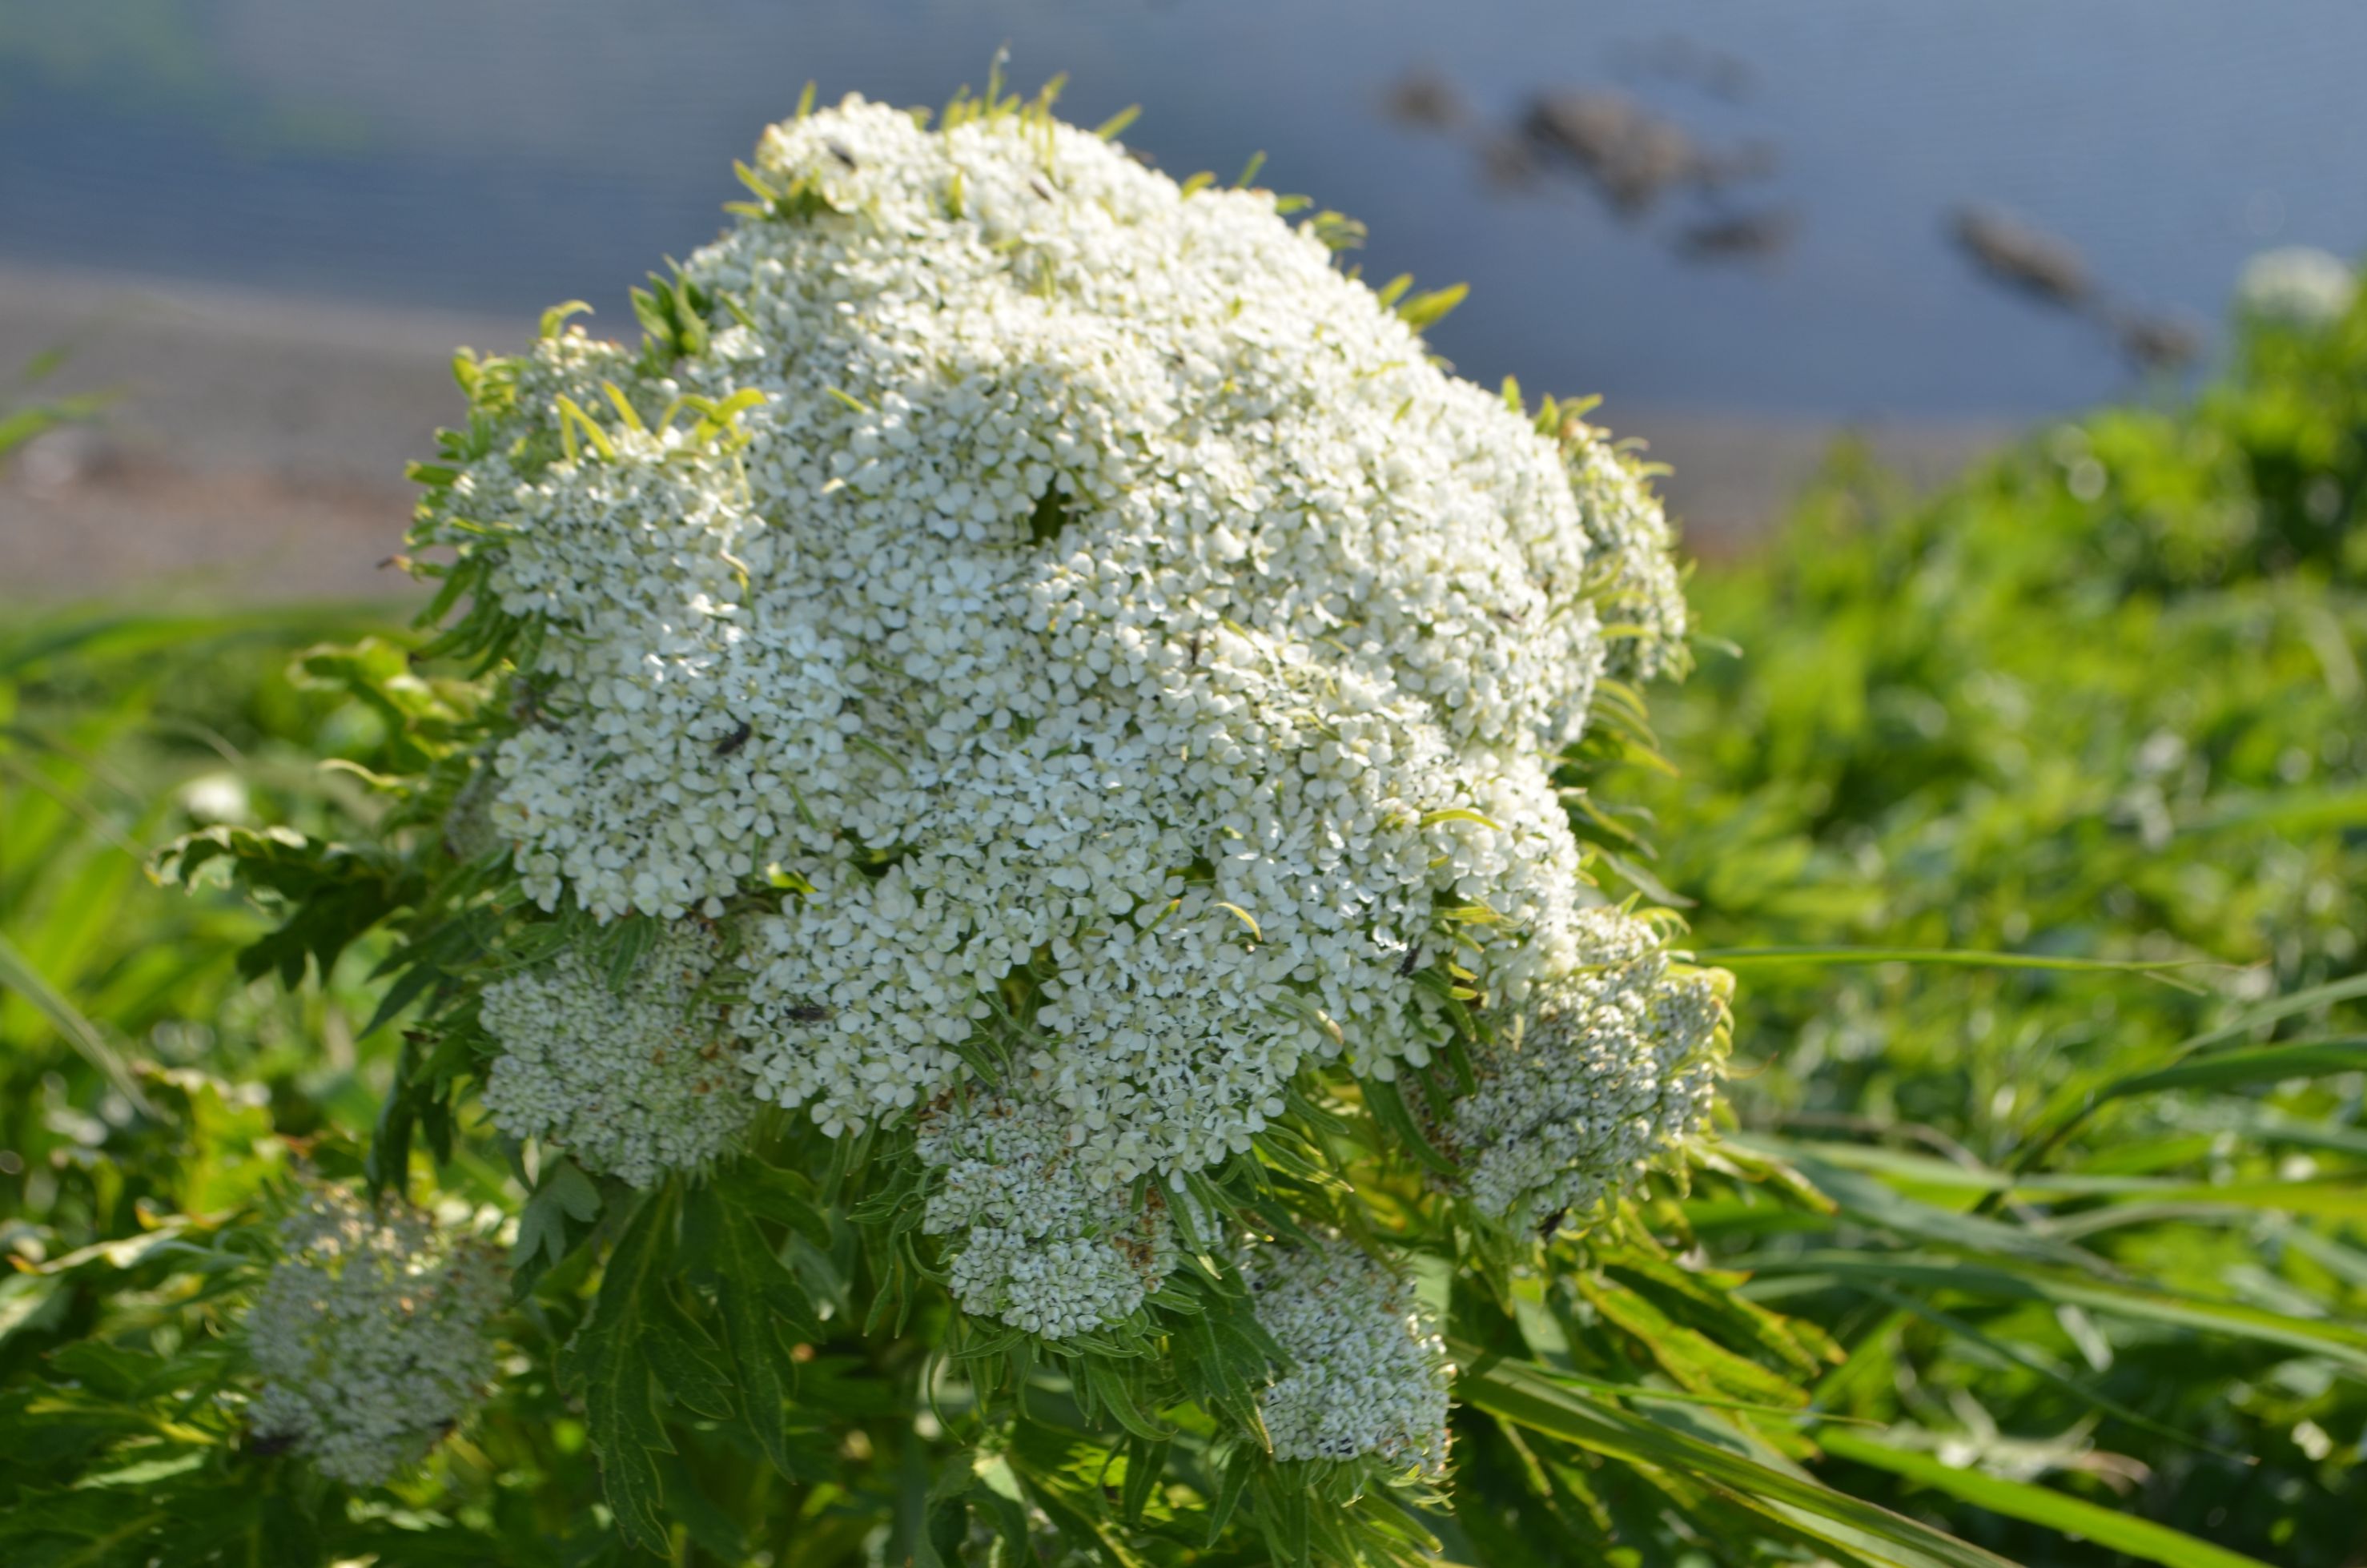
(370, 1333)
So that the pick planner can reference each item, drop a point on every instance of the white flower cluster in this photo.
(371, 1334)
(1604, 1069)
(1368, 1373)
(1041, 1248)
(635, 1084)
(1045, 569)
(2297, 287)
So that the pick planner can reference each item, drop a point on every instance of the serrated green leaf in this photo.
(759, 1302)
(688, 1363)
(609, 1364)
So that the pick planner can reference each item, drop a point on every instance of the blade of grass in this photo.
(1670, 1396)
(2265, 1064)
(2071, 1105)
(18, 975)
(2029, 1362)
(1948, 958)
(2141, 1539)
(1520, 1394)
(2333, 1340)
(1921, 1172)
(2295, 1059)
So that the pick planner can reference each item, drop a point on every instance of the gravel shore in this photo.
(255, 446)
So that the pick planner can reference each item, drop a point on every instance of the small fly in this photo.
(735, 740)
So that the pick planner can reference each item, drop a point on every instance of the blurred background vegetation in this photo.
(2099, 1245)
(2099, 1238)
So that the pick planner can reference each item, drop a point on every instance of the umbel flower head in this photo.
(1368, 1374)
(369, 1334)
(634, 1083)
(1606, 1069)
(1055, 616)
(1037, 1245)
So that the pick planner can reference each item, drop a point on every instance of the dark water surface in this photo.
(503, 153)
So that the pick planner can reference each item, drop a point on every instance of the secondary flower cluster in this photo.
(1606, 1068)
(1140, 660)
(633, 1084)
(1368, 1374)
(370, 1333)
(1040, 1248)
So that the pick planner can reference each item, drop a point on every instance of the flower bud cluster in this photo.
(633, 1085)
(1368, 1374)
(370, 1333)
(1603, 1070)
(1039, 1247)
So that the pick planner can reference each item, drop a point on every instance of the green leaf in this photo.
(1109, 1391)
(2019, 1356)
(1522, 1395)
(781, 1196)
(2338, 1341)
(2260, 1064)
(1238, 1471)
(2107, 1527)
(1945, 957)
(2071, 1105)
(1388, 1107)
(18, 974)
(760, 1301)
(711, 1526)
(1145, 1461)
(556, 317)
(685, 1359)
(1874, 1203)
(1427, 310)
(608, 1361)
(628, 941)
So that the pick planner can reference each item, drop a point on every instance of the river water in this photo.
(497, 154)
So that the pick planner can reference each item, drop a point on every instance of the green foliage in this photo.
(761, 1361)
(2097, 704)
(2037, 1241)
